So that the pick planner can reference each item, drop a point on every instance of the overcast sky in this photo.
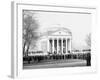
(79, 24)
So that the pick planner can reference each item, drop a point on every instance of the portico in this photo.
(59, 45)
(59, 42)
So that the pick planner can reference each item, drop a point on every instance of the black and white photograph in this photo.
(52, 40)
(56, 39)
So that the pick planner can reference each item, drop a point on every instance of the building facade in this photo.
(57, 41)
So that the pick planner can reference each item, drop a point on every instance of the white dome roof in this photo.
(55, 29)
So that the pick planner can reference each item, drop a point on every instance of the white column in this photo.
(52, 45)
(48, 45)
(66, 47)
(57, 45)
(70, 44)
(62, 45)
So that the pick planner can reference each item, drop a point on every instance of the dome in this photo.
(55, 29)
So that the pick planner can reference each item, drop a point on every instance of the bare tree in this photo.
(30, 26)
(88, 40)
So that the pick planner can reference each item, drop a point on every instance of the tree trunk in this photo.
(24, 48)
(27, 49)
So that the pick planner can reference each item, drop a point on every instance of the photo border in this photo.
(16, 66)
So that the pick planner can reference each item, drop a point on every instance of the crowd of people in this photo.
(43, 58)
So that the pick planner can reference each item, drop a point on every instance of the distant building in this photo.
(57, 41)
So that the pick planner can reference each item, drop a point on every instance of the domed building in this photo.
(55, 41)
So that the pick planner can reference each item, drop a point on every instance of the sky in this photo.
(78, 24)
